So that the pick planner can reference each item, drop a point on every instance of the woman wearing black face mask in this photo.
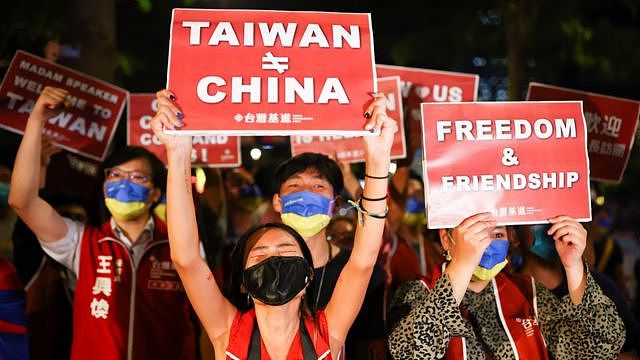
(275, 266)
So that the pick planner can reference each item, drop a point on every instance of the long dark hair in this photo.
(233, 286)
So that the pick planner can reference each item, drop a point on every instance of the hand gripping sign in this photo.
(611, 125)
(208, 150)
(350, 149)
(247, 72)
(523, 161)
(86, 127)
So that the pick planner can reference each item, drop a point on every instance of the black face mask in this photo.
(277, 279)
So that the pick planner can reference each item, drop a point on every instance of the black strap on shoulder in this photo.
(308, 350)
(254, 343)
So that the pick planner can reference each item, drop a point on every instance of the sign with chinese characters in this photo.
(256, 72)
(425, 85)
(350, 149)
(85, 127)
(611, 126)
(208, 150)
(525, 162)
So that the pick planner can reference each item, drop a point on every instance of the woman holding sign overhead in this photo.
(477, 310)
(272, 264)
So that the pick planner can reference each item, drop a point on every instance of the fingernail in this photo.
(367, 115)
(180, 124)
(172, 97)
(179, 115)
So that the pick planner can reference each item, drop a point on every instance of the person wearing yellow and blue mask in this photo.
(308, 185)
(129, 301)
(476, 309)
(308, 188)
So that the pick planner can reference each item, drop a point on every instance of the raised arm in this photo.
(41, 218)
(352, 284)
(214, 310)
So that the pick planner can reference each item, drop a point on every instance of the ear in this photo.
(277, 203)
(444, 239)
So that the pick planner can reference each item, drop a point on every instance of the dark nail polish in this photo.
(180, 124)
(367, 115)
(179, 115)
(172, 97)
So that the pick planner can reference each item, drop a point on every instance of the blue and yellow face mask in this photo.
(414, 214)
(306, 212)
(125, 199)
(494, 259)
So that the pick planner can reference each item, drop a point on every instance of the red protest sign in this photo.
(611, 126)
(208, 150)
(248, 72)
(529, 161)
(350, 149)
(425, 85)
(86, 127)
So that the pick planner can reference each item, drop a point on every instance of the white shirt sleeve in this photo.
(66, 251)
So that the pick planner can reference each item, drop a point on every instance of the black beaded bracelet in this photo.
(374, 199)
(376, 177)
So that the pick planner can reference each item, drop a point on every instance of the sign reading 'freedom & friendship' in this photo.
(529, 161)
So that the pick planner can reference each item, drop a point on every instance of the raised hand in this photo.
(378, 147)
(471, 238)
(169, 116)
(466, 243)
(50, 103)
(571, 239)
(376, 113)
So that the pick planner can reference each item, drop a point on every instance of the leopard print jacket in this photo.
(426, 319)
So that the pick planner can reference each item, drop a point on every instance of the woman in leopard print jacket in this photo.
(476, 311)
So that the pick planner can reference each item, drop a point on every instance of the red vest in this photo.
(516, 302)
(242, 327)
(122, 311)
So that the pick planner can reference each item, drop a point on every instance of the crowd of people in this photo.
(329, 266)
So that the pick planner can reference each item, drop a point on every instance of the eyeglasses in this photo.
(115, 174)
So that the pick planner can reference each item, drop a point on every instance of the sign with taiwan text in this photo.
(611, 127)
(350, 149)
(214, 150)
(525, 162)
(262, 72)
(85, 127)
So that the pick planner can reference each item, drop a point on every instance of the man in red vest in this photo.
(129, 302)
